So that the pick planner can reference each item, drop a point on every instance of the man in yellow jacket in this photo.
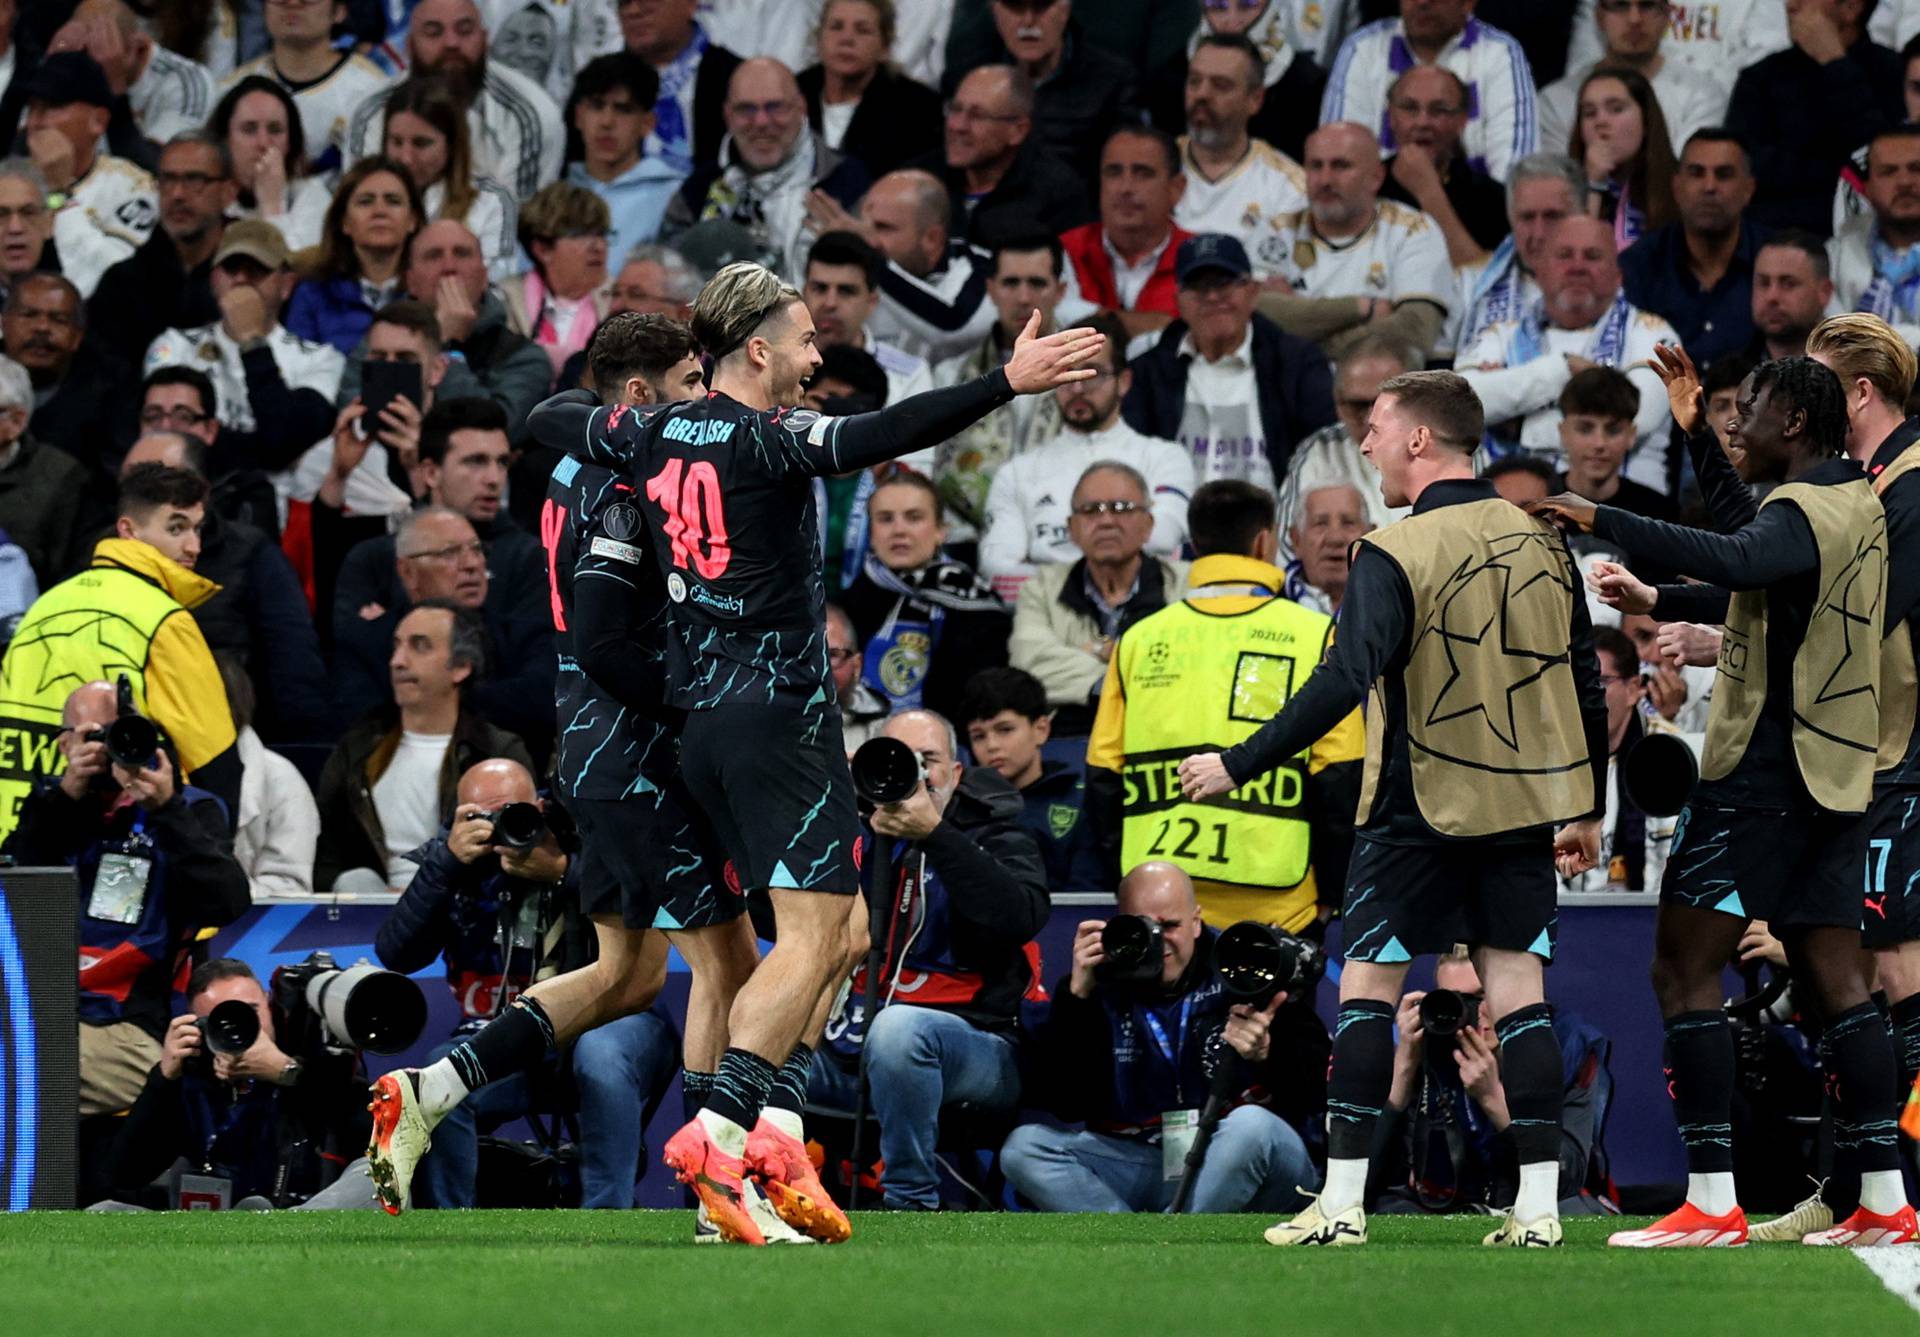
(129, 613)
(1200, 673)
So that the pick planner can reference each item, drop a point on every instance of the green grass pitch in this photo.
(622, 1274)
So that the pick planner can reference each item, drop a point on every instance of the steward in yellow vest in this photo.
(128, 613)
(1207, 671)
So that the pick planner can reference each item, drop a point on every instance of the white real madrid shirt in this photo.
(109, 214)
(1264, 183)
(1400, 256)
(1220, 421)
(328, 103)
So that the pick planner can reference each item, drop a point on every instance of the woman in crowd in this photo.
(561, 301)
(426, 133)
(609, 115)
(1621, 138)
(857, 100)
(375, 211)
(929, 623)
(260, 125)
(274, 837)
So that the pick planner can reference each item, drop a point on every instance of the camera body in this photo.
(1134, 947)
(231, 1028)
(132, 740)
(1257, 961)
(518, 826)
(361, 1007)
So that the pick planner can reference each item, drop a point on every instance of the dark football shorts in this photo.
(1787, 868)
(773, 779)
(1405, 901)
(1888, 851)
(655, 865)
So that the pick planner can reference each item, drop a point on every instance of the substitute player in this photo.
(1772, 830)
(1487, 727)
(725, 485)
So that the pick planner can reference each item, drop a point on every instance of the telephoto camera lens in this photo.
(518, 826)
(1659, 773)
(885, 770)
(1257, 961)
(1133, 947)
(366, 1007)
(131, 741)
(231, 1028)
(1442, 1013)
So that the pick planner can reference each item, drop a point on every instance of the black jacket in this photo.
(895, 120)
(287, 420)
(1296, 388)
(93, 413)
(1480, 201)
(1088, 94)
(969, 642)
(260, 618)
(1039, 193)
(149, 292)
(52, 506)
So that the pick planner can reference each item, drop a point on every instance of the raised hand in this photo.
(1046, 363)
(1684, 395)
(1619, 588)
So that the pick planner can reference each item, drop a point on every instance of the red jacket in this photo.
(1086, 247)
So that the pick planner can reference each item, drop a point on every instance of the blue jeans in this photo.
(919, 1060)
(1256, 1164)
(619, 1071)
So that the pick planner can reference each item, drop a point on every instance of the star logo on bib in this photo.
(1844, 621)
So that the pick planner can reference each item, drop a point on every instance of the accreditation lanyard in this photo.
(1170, 1050)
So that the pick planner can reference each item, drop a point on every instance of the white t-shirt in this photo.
(1400, 256)
(406, 798)
(1720, 38)
(1240, 204)
(835, 117)
(1688, 101)
(1220, 423)
(326, 105)
(172, 94)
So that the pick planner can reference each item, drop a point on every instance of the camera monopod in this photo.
(1226, 1083)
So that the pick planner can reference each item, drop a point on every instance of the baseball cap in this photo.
(718, 242)
(67, 77)
(256, 239)
(1211, 251)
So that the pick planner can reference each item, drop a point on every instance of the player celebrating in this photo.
(1479, 744)
(727, 493)
(1771, 831)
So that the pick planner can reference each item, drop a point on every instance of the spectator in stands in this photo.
(1792, 288)
(1462, 1093)
(929, 623)
(1802, 111)
(327, 84)
(143, 575)
(502, 919)
(1720, 383)
(1125, 262)
(1235, 182)
(1030, 506)
(26, 224)
(1351, 263)
(1691, 96)
(1876, 266)
(561, 301)
(108, 208)
(1261, 1158)
(1069, 615)
(1081, 91)
(857, 102)
(517, 134)
(1544, 189)
(1427, 113)
(78, 404)
(690, 121)
(273, 389)
(1332, 455)
(981, 892)
(274, 835)
(49, 503)
(389, 786)
(1292, 71)
(1697, 272)
(1501, 126)
(1598, 422)
(1227, 383)
(1518, 368)
(654, 280)
(1621, 139)
(1633, 844)
(610, 115)
(167, 282)
(166, 93)
(1285, 862)
(1008, 725)
(1521, 479)
(933, 296)
(862, 709)
(1330, 520)
(181, 401)
(841, 285)
(135, 931)
(257, 612)
(259, 122)
(363, 242)
(283, 1130)
(1000, 174)
(1027, 274)
(426, 133)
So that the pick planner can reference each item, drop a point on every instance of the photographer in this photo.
(501, 906)
(154, 867)
(968, 896)
(1442, 1143)
(274, 1126)
(1136, 1060)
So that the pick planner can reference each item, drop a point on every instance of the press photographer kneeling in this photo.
(1134, 1046)
(264, 1097)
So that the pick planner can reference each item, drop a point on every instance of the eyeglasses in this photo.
(178, 416)
(452, 552)
(960, 111)
(1438, 111)
(195, 181)
(1633, 6)
(753, 111)
(838, 654)
(26, 213)
(1108, 508)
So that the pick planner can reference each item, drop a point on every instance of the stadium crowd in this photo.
(282, 281)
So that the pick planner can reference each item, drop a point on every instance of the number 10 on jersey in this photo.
(695, 516)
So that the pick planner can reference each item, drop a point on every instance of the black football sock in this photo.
(790, 1087)
(1530, 1070)
(1700, 1080)
(741, 1086)
(695, 1087)
(1906, 1040)
(1862, 1074)
(1361, 1076)
(512, 1042)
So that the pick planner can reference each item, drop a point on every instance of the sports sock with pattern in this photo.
(1531, 1074)
(1906, 1040)
(1700, 1081)
(1357, 1087)
(1857, 1053)
(695, 1087)
(740, 1088)
(786, 1103)
(512, 1042)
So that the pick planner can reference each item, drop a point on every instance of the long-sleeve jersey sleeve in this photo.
(1777, 545)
